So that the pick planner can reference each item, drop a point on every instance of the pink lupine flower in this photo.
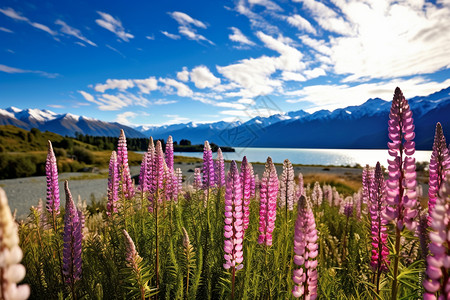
(287, 185)
(169, 183)
(439, 167)
(234, 230)
(72, 241)
(357, 199)
(252, 182)
(317, 194)
(178, 182)
(300, 188)
(208, 167)
(11, 271)
(149, 175)
(113, 184)
(401, 185)
(220, 169)
(348, 206)
(126, 185)
(246, 181)
(437, 282)
(328, 194)
(305, 274)
(197, 179)
(169, 152)
(143, 173)
(377, 206)
(51, 170)
(268, 203)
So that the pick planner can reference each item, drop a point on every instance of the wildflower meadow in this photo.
(237, 234)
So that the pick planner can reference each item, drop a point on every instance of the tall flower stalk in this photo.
(246, 184)
(11, 271)
(51, 171)
(220, 169)
(305, 274)
(401, 185)
(377, 205)
(287, 186)
(126, 185)
(268, 203)
(72, 243)
(439, 167)
(113, 184)
(234, 230)
(437, 281)
(169, 153)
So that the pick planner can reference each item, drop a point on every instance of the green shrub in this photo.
(83, 155)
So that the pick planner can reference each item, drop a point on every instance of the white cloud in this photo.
(239, 37)
(175, 119)
(115, 50)
(73, 32)
(186, 20)
(314, 73)
(150, 37)
(256, 20)
(80, 44)
(147, 85)
(182, 89)
(123, 118)
(6, 30)
(202, 77)
(88, 97)
(114, 25)
(171, 35)
(191, 34)
(301, 23)
(183, 75)
(55, 106)
(111, 84)
(267, 4)
(12, 70)
(9, 12)
(163, 102)
(292, 76)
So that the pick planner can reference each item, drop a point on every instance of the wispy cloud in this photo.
(6, 30)
(115, 50)
(301, 23)
(9, 12)
(55, 106)
(121, 84)
(66, 29)
(239, 37)
(187, 26)
(114, 25)
(171, 35)
(186, 20)
(123, 118)
(12, 70)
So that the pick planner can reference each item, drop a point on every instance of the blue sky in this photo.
(163, 62)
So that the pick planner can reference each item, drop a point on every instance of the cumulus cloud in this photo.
(171, 35)
(301, 23)
(239, 37)
(12, 70)
(147, 85)
(73, 32)
(114, 25)
(292, 76)
(183, 75)
(111, 84)
(202, 77)
(182, 89)
(9, 12)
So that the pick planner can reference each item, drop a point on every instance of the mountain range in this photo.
(358, 127)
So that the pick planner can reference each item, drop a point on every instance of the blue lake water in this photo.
(344, 157)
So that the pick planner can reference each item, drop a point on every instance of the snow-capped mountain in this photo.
(362, 126)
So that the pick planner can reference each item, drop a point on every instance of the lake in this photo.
(343, 157)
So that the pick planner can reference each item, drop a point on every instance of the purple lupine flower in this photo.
(126, 185)
(51, 170)
(401, 192)
(208, 167)
(169, 184)
(131, 255)
(305, 275)
(169, 153)
(143, 173)
(377, 206)
(234, 230)
(149, 175)
(197, 179)
(178, 182)
(157, 178)
(348, 206)
(327, 194)
(72, 240)
(268, 203)
(317, 194)
(246, 182)
(368, 175)
(253, 181)
(113, 184)
(438, 262)
(11, 271)
(220, 169)
(300, 189)
(439, 165)
(287, 185)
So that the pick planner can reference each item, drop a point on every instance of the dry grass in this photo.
(346, 184)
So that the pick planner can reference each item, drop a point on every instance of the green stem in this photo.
(396, 259)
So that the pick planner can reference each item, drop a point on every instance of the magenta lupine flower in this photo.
(126, 185)
(246, 182)
(252, 182)
(220, 169)
(437, 283)
(51, 170)
(268, 203)
(143, 173)
(305, 247)
(169, 184)
(113, 184)
(169, 152)
(157, 178)
(401, 185)
(208, 167)
(72, 240)
(317, 194)
(149, 175)
(300, 188)
(439, 165)
(287, 186)
(197, 179)
(377, 206)
(234, 230)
